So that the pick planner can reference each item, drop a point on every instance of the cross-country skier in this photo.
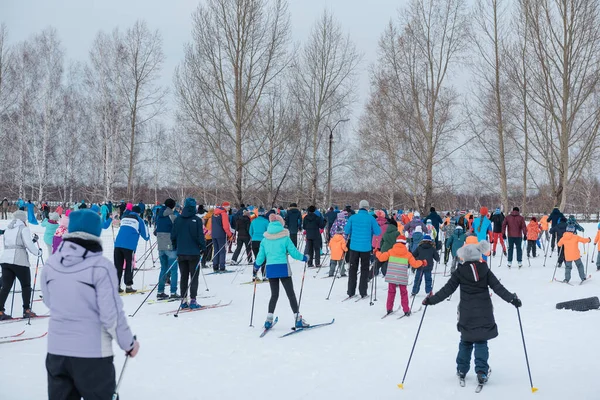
(475, 311)
(274, 251)
(79, 286)
(570, 247)
(132, 227)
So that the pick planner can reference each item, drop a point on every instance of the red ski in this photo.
(12, 336)
(23, 339)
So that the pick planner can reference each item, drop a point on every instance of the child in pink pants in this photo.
(399, 259)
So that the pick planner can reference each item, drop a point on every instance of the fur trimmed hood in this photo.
(473, 252)
(275, 230)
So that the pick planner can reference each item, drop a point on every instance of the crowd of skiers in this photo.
(189, 237)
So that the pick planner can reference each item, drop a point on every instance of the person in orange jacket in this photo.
(533, 232)
(570, 243)
(544, 225)
(338, 248)
(399, 259)
(597, 242)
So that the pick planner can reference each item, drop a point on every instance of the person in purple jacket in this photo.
(80, 288)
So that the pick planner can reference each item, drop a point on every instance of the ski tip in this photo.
(534, 389)
(401, 386)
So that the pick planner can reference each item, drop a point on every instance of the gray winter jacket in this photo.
(17, 241)
(86, 312)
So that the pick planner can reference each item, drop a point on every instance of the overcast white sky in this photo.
(78, 21)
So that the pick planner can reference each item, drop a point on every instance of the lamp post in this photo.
(329, 172)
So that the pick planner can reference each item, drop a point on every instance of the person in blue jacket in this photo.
(132, 227)
(257, 229)
(360, 228)
(274, 251)
(482, 225)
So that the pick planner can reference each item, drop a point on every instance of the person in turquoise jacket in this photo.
(455, 242)
(274, 250)
(361, 227)
(482, 225)
(51, 226)
(257, 229)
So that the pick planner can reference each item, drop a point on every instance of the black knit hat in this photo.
(170, 203)
(312, 209)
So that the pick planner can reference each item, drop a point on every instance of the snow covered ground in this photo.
(214, 354)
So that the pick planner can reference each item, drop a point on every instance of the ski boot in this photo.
(130, 289)
(504, 252)
(509, 265)
(162, 296)
(121, 289)
(407, 314)
(269, 321)
(300, 322)
(174, 296)
(4, 316)
(482, 378)
(565, 281)
(389, 312)
(461, 378)
(493, 254)
(184, 304)
(29, 314)
(194, 305)
(520, 265)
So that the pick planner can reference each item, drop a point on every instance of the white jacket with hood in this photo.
(17, 241)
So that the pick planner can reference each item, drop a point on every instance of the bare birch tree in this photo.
(238, 48)
(324, 88)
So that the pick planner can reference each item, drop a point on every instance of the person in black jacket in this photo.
(554, 218)
(293, 222)
(436, 221)
(330, 217)
(313, 224)
(475, 311)
(497, 235)
(243, 237)
(188, 240)
(425, 251)
(557, 231)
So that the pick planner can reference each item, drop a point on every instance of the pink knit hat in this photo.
(274, 217)
(129, 207)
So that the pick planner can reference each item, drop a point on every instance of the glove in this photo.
(305, 258)
(516, 301)
(35, 238)
(256, 268)
(427, 301)
(424, 263)
(134, 350)
(525, 237)
(40, 252)
(504, 236)
(590, 240)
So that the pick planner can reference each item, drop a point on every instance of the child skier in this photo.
(389, 240)
(475, 311)
(398, 258)
(60, 231)
(456, 241)
(51, 225)
(533, 232)
(426, 251)
(274, 250)
(431, 231)
(416, 238)
(570, 243)
(573, 226)
(338, 248)
(597, 242)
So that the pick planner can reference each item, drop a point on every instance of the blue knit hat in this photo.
(427, 238)
(190, 202)
(85, 221)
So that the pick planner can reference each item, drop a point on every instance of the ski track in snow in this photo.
(216, 355)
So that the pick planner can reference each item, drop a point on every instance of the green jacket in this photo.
(274, 250)
(457, 240)
(389, 238)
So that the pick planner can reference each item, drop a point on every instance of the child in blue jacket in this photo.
(132, 227)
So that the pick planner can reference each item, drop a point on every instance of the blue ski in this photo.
(308, 328)
(265, 331)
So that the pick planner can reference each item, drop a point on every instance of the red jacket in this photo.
(514, 225)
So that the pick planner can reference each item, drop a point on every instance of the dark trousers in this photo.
(482, 354)
(531, 248)
(255, 250)
(124, 256)
(207, 254)
(355, 257)
(188, 269)
(4, 213)
(294, 237)
(512, 242)
(554, 241)
(288, 285)
(447, 250)
(243, 241)
(313, 250)
(220, 253)
(71, 378)
(23, 274)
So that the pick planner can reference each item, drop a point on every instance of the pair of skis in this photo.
(479, 385)
(174, 300)
(354, 297)
(202, 308)
(295, 330)
(16, 338)
(570, 284)
(12, 320)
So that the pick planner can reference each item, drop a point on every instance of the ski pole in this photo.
(375, 278)
(415, 296)
(253, 298)
(557, 262)
(546, 254)
(37, 264)
(587, 259)
(116, 394)
(152, 291)
(12, 303)
(342, 263)
(187, 289)
(533, 389)
(593, 252)
(302, 285)
(203, 276)
(372, 270)
(401, 385)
